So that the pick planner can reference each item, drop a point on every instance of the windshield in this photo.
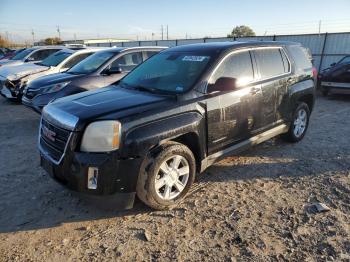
(22, 54)
(344, 60)
(170, 72)
(55, 59)
(92, 63)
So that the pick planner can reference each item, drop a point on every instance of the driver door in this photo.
(233, 116)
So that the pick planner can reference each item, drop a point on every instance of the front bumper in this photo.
(117, 177)
(5, 92)
(29, 103)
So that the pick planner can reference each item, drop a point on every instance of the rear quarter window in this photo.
(301, 57)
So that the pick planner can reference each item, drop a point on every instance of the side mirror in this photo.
(30, 59)
(333, 64)
(112, 71)
(223, 84)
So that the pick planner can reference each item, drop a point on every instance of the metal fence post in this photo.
(322, 53)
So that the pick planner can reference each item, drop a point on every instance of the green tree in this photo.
(53, 41)
(241, 31)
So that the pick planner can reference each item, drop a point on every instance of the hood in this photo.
(19, 71)
(73, 112)
(9, 62)
(53, 79)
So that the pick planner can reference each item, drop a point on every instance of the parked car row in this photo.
(160, 116)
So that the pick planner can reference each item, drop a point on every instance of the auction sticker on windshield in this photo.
(194, 58)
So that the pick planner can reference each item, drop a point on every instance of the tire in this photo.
(292, 135)
(152, 175)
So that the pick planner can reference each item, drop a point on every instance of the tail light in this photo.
(314, 73)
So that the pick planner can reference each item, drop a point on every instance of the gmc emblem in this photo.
(49, 134)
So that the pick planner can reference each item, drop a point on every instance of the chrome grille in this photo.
(53, 140)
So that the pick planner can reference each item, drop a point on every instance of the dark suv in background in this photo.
(100, 69)
(175, 115)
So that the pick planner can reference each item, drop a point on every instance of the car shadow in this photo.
(55, 205)
(31, 200)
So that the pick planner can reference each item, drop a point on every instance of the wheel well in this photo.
(192, 142)
(309, 100)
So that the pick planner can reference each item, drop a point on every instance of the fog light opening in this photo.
(92, 178)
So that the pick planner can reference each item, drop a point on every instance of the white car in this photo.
(13, 79)
(31, 55)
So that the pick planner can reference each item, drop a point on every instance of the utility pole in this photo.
(59, 32)
(75, 37)
(319, 27)
(167, 32)
(161, 28)
(33, 36)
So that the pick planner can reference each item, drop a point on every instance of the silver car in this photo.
(13, 79)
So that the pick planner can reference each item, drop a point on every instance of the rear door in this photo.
(274, 74)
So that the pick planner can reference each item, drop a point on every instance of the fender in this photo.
(306, 87)
(301, 90)
(140, 140)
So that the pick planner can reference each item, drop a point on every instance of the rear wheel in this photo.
(299, 125)
(166, 177)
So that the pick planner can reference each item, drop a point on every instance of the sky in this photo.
(141, 20)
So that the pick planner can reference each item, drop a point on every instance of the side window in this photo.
(301, 57)
(42, 54)
(75, 60)
(238, 66)
(150, 54)
(127, 62)
(270, 62)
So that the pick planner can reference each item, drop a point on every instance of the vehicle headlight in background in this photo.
(101, 136)
(55, 87)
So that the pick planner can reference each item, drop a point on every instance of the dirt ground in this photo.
(256, 206)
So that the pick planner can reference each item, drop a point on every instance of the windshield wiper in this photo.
(138, 87)
(74, 73)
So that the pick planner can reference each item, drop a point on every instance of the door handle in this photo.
(254, 90)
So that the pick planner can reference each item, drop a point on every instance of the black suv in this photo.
(175, 115)
(100, 69)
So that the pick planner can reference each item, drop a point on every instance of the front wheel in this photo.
(166, 177)
(298, 127)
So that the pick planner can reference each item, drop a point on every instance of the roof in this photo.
(120, 49)
(221, 46)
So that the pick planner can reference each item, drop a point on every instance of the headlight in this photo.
(55, 87)
(101, 136)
